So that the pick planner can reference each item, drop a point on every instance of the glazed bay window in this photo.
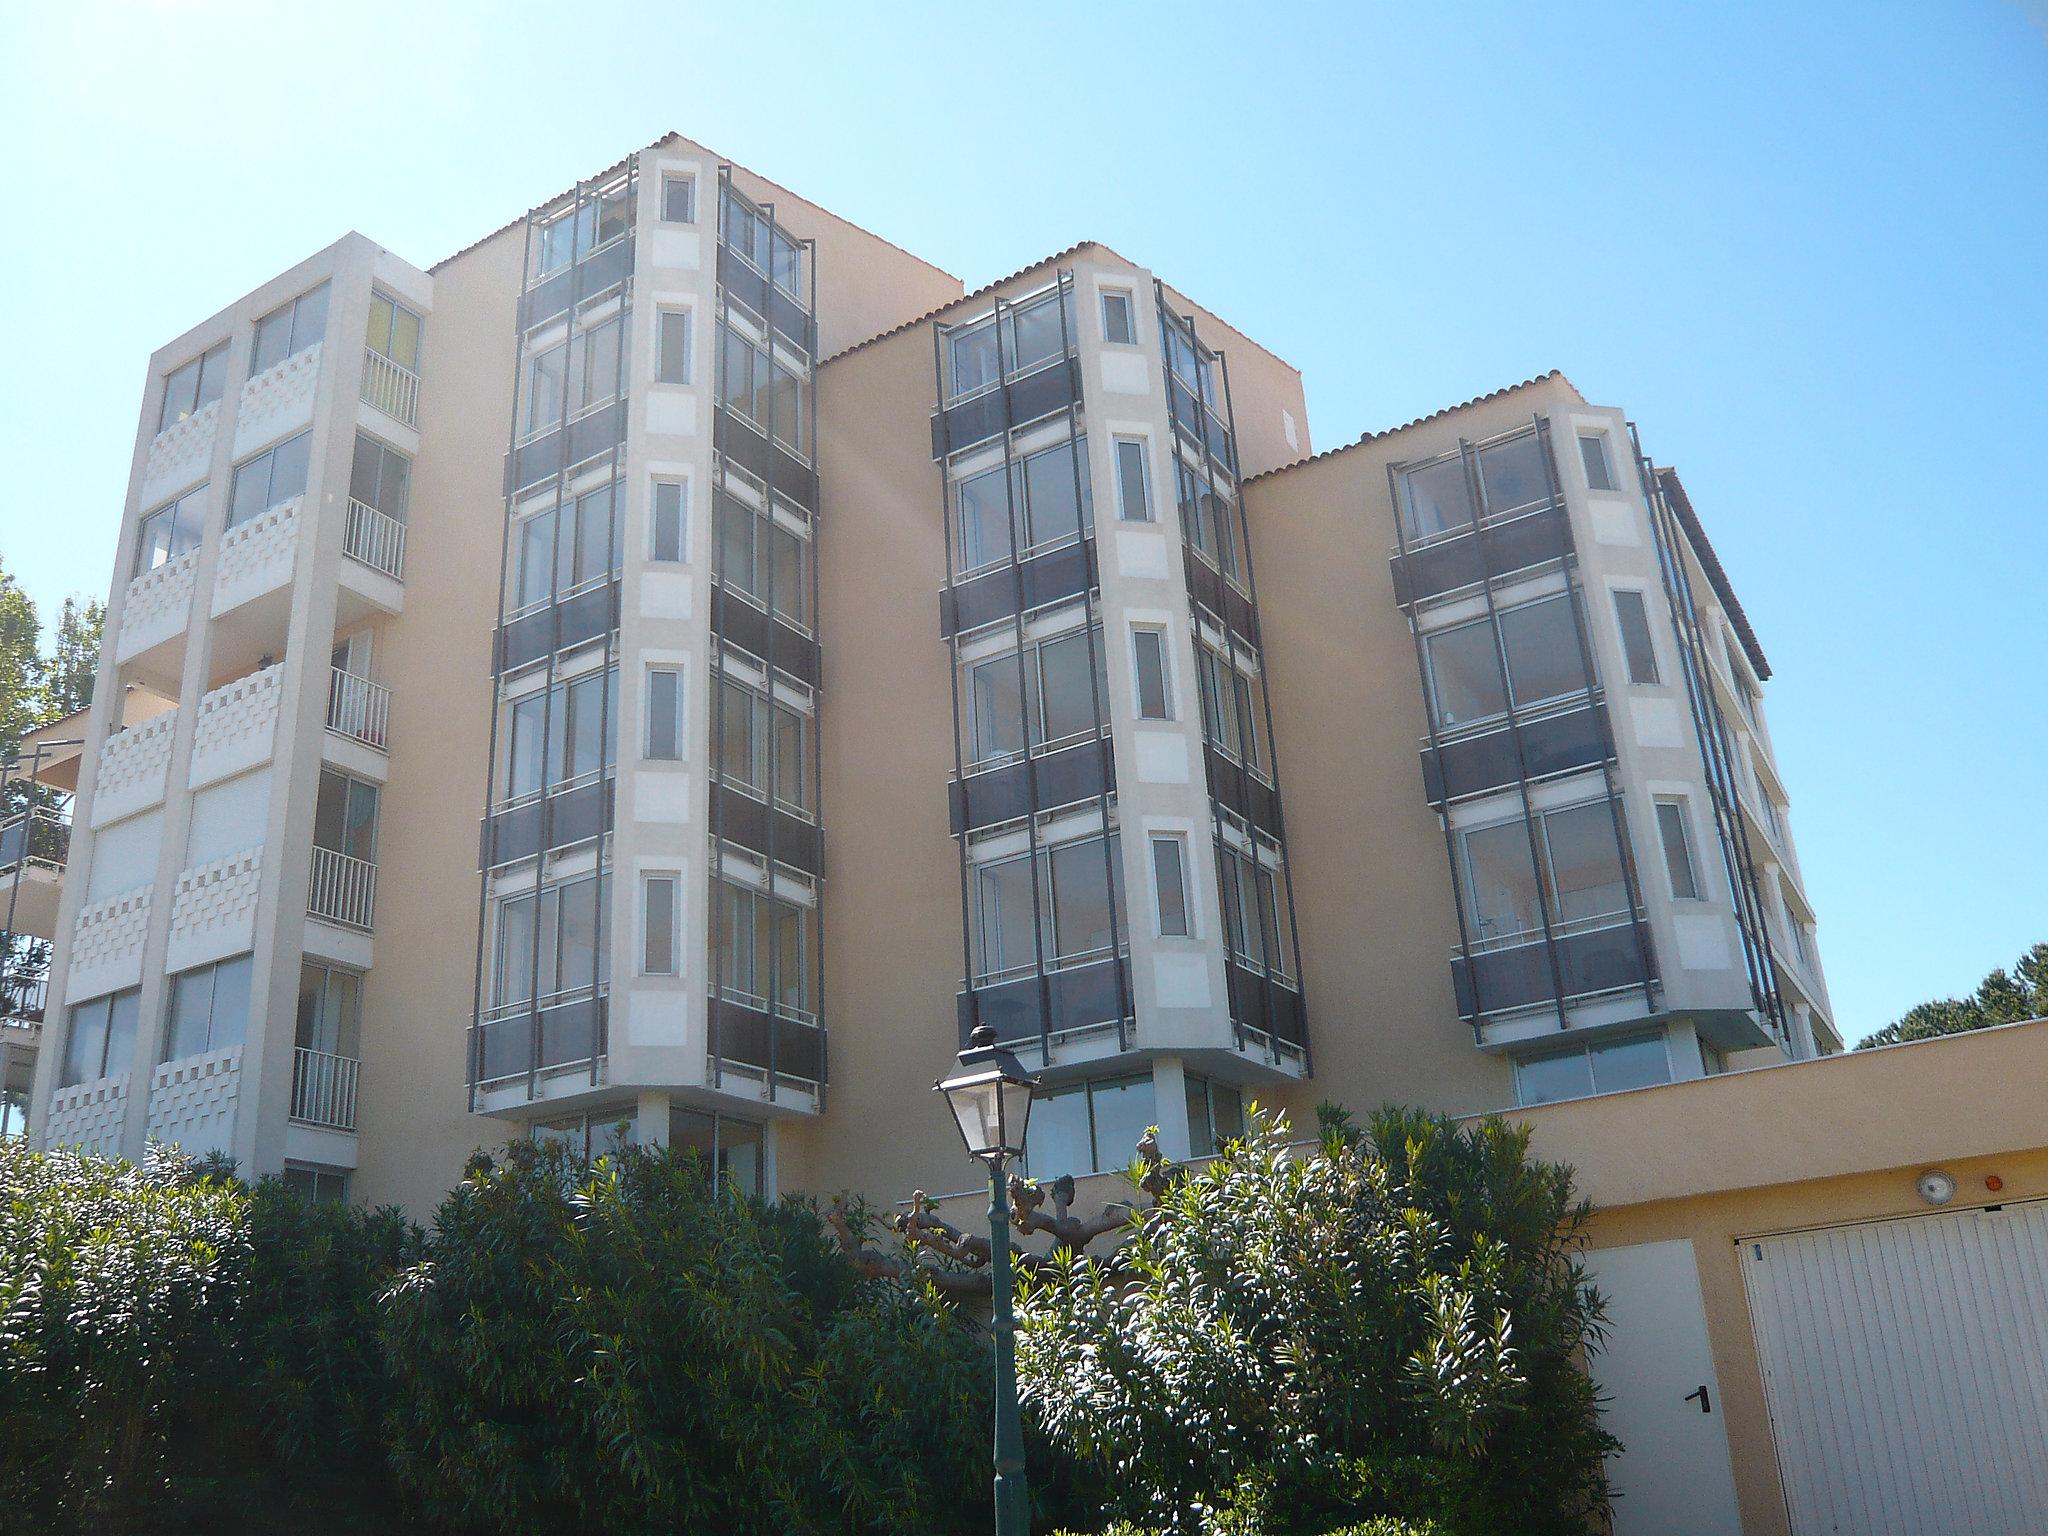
(1208, 521)
(775, 254)
(552, 944)
(1632, 618)
(1581, 1070)
(763, 746)
(1544, 663)
(764, 389)
(270, 479)
(1215, 1115)
(1057, 705)
(190, 389)
(570, 731)
(1255, 911)
(765, 558)
(1083, 1128)
(171, 530)
(1080, 900)
(289, 330)
(573, 376)
(1514, 475)
(1193, 364)
(1034, 332)
(1133, 481)
(763, 947)
(1050, 504)
(1435, 500)
(1583, 876)
(1233, 708)
(557, 553)
(100, 1038)
(209, 1008)
(579, 229)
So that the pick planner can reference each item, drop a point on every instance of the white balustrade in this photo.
(344, 889)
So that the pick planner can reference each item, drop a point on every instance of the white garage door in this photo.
(1906, 1366)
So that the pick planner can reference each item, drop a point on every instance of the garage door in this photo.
(1906, 1367)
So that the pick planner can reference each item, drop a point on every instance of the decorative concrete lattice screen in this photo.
(213, 910)
(277, 401)
(134, 765)
(256, 556)
(106, 945)
(237, 726)
(89, 1116)
(158, 605)
(179, 456)
(192, 1101)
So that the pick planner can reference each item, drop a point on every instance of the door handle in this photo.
(1706, 1403)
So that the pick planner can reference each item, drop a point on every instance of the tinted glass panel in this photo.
(1547, 1079)
(1543, 651)
(1626, 1064)
(1501, 890)
(1634, 621)
(1585, 862)
(1464, 673)
(1437, 499)
(1514, 474)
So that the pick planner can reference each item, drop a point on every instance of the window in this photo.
(1544, 662)
(1033, 332)
(1133, 492)
(773, 252)
(288, 331)
(574, 376)
(1208, 521)
(170, 531)
(1169, 874)
(380, 478)
(1593, 454)
(1215, 1115)
(763, 948)
(566, 952)
(1041, 496)
(1192, 363)
(1119, 320)
(554, 562)
(1671, 829)
(1155, 702)
(1514, 474)
(345, 816)
(316, 1185)
(664, 714)
(667, 526)
(190, 389)
(1577, 1071)
(764, 558)
(760, 387)
(761, 745)
(209, 1008)
(270, 479)
(672, 346)
(733, 1152)
(330, 1010)
(678, 199)
(1436, 500)
(394, 332)
(1584, 877)
(101, 1039)
(1233, 707)
(1634, 622)
(1255, 913)
(571, 728)
(577, 230)
(1058, 704)
(1077, 896)
(1464, 674)
(660, 940)
(1087, 1127)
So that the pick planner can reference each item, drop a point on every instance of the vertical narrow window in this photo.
(679, 199)
(1593, 453)
(1633, 619)
(672, 347)
(664, 713)
(1154, 701)
(1133, 488)
(1119, 321)
(658, 914)
(667, 523)
(1169, 871)
(1671, 828)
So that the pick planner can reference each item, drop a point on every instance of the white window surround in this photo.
(655, 543)
(1129, 300)
(685, 175)
(673, 941)
(1179, 841)
(664, 306)
(1615, 591)
(1680, 806)
(1168, 693)
(651, 661)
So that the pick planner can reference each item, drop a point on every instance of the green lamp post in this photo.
(990, 1096)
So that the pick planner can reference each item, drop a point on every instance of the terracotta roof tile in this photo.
(1717, 577)
(1386, 432)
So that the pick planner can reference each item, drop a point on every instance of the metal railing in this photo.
(37, 838)
(393, 389)
(359, 709)
(24, 998)
(344, 889)
(324, 1088)
(375, 538)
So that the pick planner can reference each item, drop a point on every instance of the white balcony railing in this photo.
(393, 390)
(324, 1089)
(344, 889)
(359, 709)
(375, 539)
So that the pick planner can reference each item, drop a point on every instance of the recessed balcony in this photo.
(359, 709)
(375, 539)
(324, 1089)
(33, 849)
(343, 891)
(390, 387)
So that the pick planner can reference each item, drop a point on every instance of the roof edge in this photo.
(1717, 575)
(1386, 432)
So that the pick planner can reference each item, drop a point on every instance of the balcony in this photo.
(374, 539)
(324, 1089)
(1512, 975)
(24, 998)
(344, 889)
(390, 387)
(33, 850)
(359, 709)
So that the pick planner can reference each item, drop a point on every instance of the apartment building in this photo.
(673, 668)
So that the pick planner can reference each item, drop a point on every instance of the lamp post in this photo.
(990, 1096)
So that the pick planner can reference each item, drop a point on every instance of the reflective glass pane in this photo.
(984, 520)
(514, 980)
(309, 319)
(85, 1042)
(995, 709)
(1633, 619)
(1543, 651)
(191, 1002)
(230, 1020)
(1437, 499)
(1623, 1064)
(1514, 474)
(1585, 862)
(1150, 651)
(973, 357)
(273, 341)
(1548, 1079)
(742, 1161)
(1003, 918)
(1134, 500)
(736, 533)
(124, 1012)
(1501, 882)
(1464, 674)
(1677, 850)
(789, 575)
(213, 376)
(1056, 1139)
(1081, 914)
(405, 339)
(664, 714)
(1123, 1112)
(1052, 510)
(1069, 699)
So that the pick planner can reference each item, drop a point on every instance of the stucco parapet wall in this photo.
(1932, 1101)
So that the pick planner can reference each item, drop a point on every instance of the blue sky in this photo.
(1803, 245)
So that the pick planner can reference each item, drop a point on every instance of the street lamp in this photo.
(990, 1096)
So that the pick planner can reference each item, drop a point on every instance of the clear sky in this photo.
(1806, 247)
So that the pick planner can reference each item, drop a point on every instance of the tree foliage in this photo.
(1392, 1324)
(2001, 998)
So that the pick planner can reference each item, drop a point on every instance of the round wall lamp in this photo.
(1936, 1187)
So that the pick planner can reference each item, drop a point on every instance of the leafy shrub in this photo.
(1391, 1325)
